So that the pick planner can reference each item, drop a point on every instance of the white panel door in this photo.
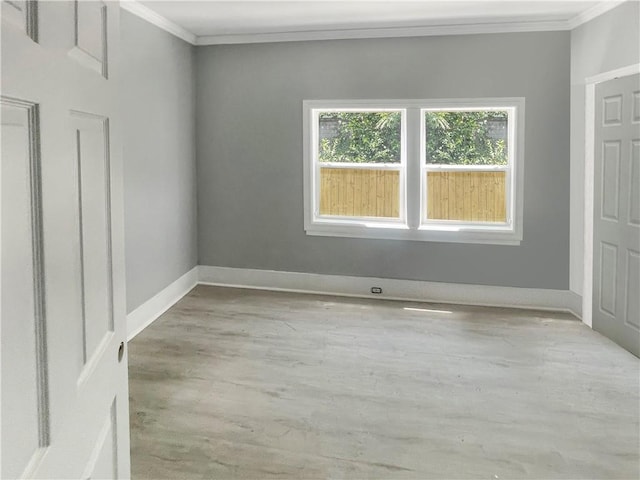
(616, 256)
(64, 398)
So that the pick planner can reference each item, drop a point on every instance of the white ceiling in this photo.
(211, 19)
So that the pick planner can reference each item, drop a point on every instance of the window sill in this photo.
(448, 234)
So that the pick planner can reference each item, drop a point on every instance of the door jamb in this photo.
(589, 175)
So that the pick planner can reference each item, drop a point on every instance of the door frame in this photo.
(589, 176)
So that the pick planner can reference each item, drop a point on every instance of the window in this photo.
(441, 170)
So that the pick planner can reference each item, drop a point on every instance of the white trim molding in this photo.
(386, 32)
(347, 286)
(149, 311)
(392, 289)
(137, 8)
(593, 12)
(467, 27)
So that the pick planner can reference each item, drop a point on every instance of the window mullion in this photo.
(413, 138)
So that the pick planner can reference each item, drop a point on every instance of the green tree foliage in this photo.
(466, 138)
(361, 137)
(458, 138)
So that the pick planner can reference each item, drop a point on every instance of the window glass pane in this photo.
(466, 138)
(469, 196)
(359, 137)
(461, 143)
(359, 192)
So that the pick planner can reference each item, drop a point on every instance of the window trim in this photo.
(412, 224)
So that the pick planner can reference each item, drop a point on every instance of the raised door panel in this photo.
(635, 109)
(612, 111)
(103, 462)
(90, 36)
(23, 14)
(24, 385)
(94, 230)
(632, 310)
(634, 184)
(610, 180)
(608, 278)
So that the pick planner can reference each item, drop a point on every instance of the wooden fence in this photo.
(470, 195)
(356, 192)
(460, 195)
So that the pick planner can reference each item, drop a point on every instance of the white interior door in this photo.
(616, 222)
(64, 372)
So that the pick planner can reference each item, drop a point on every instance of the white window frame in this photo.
(413, 224)
(401, 167)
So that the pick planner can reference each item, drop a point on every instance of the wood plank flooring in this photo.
(233, 383)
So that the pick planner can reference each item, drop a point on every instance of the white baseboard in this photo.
(410, 290)
(150, 310)
(574, 301)
(345, 286)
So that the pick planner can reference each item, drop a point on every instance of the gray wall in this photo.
(159, 158)
(606, 43)
(249, 150)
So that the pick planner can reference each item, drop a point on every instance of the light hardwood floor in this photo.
(233, 383)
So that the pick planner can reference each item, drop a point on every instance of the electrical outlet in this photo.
(376, 290)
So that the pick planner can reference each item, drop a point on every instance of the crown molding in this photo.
(384, 32)
(138, 9)
(467, 28)
(593, 12)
